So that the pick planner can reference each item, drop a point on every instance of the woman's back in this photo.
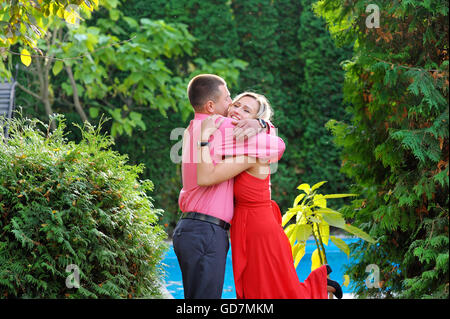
(251, 190)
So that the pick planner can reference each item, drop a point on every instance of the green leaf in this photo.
(293, 235)
(319, 201)
(313, 219)
(114, 14)
(296, 208)
(317, 185)
(315, 259)
(298, 199)
(290, 229)
(339, 195)
(128, 128)
(303, 232)
(333, 218)
(136, 117)
(305, 187)
(359, 233)
(341, 244)
(93, 112)
(346, 281)
(57, 67)
(298, 252)
(131, 22)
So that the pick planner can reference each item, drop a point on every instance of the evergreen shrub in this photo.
(69, 209)
(396, 146)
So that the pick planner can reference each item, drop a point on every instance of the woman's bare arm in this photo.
(210, 174)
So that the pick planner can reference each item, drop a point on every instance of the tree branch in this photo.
(71, 58)
(36, 96)
(76, 99)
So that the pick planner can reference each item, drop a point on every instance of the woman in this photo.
(263, 266)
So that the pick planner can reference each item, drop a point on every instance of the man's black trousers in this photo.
(201, 249)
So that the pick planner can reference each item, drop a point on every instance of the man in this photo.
(200, 239)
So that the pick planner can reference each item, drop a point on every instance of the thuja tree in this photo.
(396, 145)
(70, 207)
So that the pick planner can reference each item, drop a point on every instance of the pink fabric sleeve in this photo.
(264, 146)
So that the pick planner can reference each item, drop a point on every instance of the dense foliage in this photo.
(391, 143)
(63, 204)
(210, 22)
(396, 146)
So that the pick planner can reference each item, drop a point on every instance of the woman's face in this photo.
(244, 108)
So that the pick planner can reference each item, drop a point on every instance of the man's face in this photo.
(223, 101)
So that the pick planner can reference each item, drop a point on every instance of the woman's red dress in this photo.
(263, 266)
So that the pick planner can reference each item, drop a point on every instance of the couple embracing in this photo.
(226, 187)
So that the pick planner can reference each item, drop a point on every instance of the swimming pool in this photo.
(336, 258)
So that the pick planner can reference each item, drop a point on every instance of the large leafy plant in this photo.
(313, 217)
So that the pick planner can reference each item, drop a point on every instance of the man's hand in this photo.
(246, 128)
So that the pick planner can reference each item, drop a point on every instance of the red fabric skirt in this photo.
(263, 265)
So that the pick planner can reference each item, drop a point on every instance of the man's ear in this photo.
(209, 107)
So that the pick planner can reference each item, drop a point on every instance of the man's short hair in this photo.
(203, 88)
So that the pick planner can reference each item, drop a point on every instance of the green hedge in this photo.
(64, 203)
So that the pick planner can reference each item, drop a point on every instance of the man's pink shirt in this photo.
(217, 200)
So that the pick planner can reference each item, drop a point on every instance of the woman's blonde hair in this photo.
(265, 110)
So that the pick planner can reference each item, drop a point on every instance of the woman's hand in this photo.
(246, 128)
(210, 125)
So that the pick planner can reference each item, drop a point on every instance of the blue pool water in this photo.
(336, 259)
